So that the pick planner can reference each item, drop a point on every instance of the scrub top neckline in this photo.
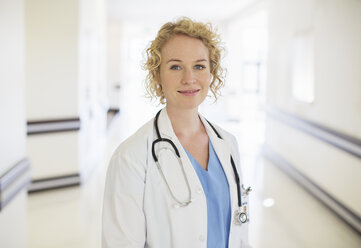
(196, 162)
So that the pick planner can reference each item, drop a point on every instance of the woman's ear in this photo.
(159, 86)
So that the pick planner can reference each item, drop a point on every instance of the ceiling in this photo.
(159, 10)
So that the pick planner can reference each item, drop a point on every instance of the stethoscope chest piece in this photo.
(242, 217)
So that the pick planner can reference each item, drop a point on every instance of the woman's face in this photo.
(184, 72)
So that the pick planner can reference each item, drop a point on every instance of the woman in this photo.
(173, 183)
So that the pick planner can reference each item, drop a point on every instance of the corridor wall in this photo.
(319, 141)
(14, 165)
(66, 102)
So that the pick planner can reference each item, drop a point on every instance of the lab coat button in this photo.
(175, 206)
(201, 238)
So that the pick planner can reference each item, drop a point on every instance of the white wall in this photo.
(65, 67)
(52, 59)
(12, 112)
(12, 84)
(13, 222)
(92, 86)
(335, 28)
(91, 59)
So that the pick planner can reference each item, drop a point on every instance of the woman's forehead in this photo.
(183, 47)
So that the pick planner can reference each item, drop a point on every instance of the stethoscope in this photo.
(240, 215)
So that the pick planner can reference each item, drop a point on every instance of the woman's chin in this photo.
(185, 105)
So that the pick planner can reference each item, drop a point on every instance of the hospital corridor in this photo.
(73, 88)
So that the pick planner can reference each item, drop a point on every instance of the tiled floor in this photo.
(71, 217)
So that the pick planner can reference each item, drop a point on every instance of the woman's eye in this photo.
(200, 67)
(175, 67)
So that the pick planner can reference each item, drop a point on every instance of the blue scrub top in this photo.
(216, 189)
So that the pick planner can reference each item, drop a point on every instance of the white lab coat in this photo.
(138, 210)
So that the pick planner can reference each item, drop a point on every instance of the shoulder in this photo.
(134, 148)
(128, 164)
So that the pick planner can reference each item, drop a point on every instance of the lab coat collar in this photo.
(166, 129)
(165, 126)
(221, 147)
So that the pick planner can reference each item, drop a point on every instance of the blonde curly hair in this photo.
(203, 31)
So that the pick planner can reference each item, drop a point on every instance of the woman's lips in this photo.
(189, 92)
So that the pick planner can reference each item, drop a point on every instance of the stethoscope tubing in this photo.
(163, 140)
(160, 139)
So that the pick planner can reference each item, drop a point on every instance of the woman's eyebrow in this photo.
(178, 60)
(174, 60)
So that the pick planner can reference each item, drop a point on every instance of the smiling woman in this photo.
(203, 34)
(184, 73)
(175, 183)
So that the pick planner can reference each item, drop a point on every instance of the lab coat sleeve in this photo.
(123, 221)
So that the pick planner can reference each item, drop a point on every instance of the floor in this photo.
(282, 213)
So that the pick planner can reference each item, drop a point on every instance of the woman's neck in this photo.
(185, 122)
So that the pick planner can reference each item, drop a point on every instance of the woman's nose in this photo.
(188, 76)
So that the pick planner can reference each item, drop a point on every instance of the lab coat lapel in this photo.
(223, 152)
(165, 126)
